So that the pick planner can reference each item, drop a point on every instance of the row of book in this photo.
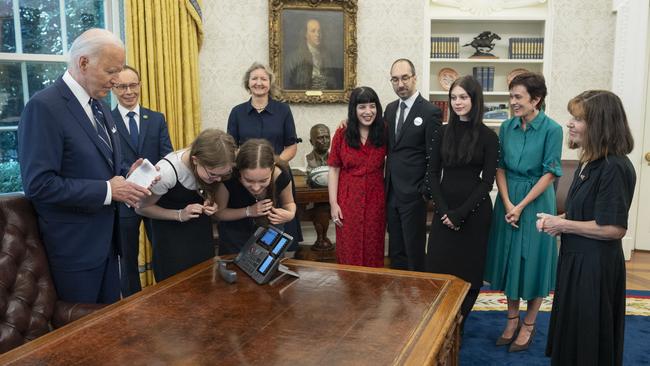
(526, 48)
(518, 48)
(485, 76)
(444, 107)
(444, 47)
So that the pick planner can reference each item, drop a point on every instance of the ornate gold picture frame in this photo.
(313, 49)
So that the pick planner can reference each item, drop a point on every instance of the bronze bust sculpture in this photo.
(319, 137)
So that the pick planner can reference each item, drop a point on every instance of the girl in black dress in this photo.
(184, 200)
(463, 163)
(258, 194)
(588, 316)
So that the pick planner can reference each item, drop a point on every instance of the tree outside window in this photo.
(34, 42)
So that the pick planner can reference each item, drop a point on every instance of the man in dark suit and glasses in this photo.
(143, 134)
(69, 157)
(412, 122)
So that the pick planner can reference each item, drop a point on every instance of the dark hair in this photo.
(137, 73)
(404, 60)
(535, 86)
(258, 153)
(461, 153)
(376, 135)
(608, 132)
(212, 148)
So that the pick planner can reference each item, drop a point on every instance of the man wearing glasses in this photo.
(412, 121)
(143, 134)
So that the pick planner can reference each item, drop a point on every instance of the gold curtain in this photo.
(163, 38)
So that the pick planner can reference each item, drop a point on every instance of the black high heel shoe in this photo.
(505, 341)
(514, 347)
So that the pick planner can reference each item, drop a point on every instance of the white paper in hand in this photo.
(143, 175)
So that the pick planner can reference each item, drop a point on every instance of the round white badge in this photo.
(417, 121)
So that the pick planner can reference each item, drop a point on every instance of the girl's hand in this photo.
(447, 221)
(260, 208)
(191, 211)
(279, 215)
(210, 208)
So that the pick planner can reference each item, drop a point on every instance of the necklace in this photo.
(259, 109)
(582, 168)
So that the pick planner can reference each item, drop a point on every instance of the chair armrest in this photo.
(66, 312)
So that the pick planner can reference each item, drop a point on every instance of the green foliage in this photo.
(10, 177)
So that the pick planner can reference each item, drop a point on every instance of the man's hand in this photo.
(127, 192)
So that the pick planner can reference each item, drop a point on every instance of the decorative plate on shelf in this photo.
(446, 76)
(512, 75)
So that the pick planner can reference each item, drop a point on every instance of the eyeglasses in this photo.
(123, 87)
(404, 79)
(215, 175)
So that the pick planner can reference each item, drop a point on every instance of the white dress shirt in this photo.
(409, 103)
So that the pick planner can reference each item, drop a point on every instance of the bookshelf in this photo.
(464, 20)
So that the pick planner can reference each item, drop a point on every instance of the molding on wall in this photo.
(629, 76)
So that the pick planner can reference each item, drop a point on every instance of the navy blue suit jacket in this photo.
(153, 142)
(64, 172)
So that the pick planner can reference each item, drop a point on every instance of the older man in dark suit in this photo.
(143, 134)
(412, 121)
(70, 158)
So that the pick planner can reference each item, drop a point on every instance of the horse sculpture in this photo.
(483, 44)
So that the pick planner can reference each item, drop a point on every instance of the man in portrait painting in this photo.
(311, 66)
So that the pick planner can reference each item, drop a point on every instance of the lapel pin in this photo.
(145, 116)
(417, 121)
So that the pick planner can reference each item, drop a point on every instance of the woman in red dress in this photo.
(356, 182)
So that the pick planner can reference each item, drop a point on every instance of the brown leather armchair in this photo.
(28, 302)
(564, 183)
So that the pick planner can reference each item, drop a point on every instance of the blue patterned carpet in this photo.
(486, 322)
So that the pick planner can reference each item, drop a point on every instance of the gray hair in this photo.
(256, 66)
(90, 43)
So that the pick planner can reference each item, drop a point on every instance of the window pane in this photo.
(7, 34)
(11, 104)
(82, 15)
(40, 26)
(42, 74)
(11, 93)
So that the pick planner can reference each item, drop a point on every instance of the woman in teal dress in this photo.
(522, 261)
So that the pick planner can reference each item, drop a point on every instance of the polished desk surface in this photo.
(332, 315)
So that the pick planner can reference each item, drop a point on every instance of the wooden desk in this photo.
(322, 249)
(332, 315)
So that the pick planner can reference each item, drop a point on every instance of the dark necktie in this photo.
(133, 129)
(400, 119)
(102, 130)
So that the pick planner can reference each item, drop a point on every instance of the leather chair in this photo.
(564, 183)
(28, 302)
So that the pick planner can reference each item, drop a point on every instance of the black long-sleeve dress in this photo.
(462, 192)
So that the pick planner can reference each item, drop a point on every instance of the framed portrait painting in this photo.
(313, 49)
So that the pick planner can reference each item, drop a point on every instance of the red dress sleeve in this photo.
(335, 150)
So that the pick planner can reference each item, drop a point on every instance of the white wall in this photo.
(236, 34)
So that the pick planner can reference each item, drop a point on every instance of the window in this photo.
(35, 36)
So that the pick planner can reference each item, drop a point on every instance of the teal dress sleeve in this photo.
(553, 150)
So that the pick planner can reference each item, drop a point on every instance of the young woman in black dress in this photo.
(184, 200)
(259, 193)
(588, 316)
(463, 163)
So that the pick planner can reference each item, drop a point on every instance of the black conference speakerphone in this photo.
(261, 254)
